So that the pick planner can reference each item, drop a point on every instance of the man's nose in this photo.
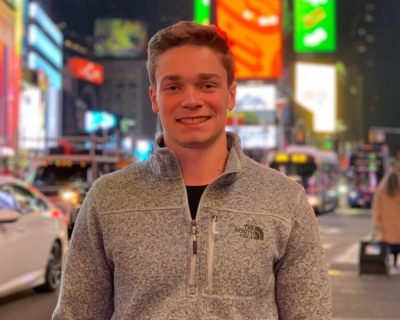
(191, 98)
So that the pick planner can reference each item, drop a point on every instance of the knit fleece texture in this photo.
(259, 254)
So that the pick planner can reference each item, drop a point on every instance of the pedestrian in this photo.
(386, 213)
(199, 231)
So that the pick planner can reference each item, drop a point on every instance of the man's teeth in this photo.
(195, 120)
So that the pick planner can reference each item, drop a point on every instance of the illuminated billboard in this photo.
(316, 91)
(120, 38)
(31, 119)
(202, 11)
(42, 43)
(254, 116)
(315, 25)
(255, 97)
(39, 15)
(256, 137)
(36, 62)
(255, 105)
(86, 70)
(254, 30)
(99, 120)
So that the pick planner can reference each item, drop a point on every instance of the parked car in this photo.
(33, 239)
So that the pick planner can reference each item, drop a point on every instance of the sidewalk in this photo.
(365, 297)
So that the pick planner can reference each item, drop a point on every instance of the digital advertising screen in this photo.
(86, 70)
(255, 97)
(315, 25)
(99, 120)
(39, 15)
(256, 137)
(32, 119)
(42, 43)
(36, 62)
(120, 38)
(254, 29)
(202, 11)
(316, 91)
(142, 150)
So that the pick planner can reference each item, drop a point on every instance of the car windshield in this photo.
(57, 175)
(302, 173)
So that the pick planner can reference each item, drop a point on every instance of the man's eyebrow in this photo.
(201, 76)
(208, 76)
(171, 77)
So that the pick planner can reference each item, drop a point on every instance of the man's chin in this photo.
(196, 143)
(193, 142)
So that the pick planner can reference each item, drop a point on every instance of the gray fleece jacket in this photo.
(253, 253)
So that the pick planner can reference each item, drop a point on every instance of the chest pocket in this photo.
(241, 252)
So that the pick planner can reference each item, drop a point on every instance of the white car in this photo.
(33, 239)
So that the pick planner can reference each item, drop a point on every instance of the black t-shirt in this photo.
(194, 194)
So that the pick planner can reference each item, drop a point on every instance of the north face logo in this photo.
(250, 232)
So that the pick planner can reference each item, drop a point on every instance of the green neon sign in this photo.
(315, 25)
(202, 11)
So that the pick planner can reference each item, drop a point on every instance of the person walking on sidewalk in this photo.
(200, 231)
(386, 213)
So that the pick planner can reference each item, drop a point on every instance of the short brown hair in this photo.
(189, 33)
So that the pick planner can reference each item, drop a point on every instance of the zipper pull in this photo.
(194, 232)
(213, 228)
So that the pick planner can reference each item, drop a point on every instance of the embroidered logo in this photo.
(250, 232)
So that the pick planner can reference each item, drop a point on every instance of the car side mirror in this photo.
(8, 216)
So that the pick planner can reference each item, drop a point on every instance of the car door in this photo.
(41, 227)
(14, 244)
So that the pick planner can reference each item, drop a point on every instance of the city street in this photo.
(354, 297)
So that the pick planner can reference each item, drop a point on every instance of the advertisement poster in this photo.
(86, 70)
(316, 91)
(120, 38)
(315, 26)
(202, 11)
(256, 137)
(254, 30)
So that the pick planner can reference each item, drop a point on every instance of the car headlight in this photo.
(70, 196)
(353, 194)
(343, 189)
(313, 201)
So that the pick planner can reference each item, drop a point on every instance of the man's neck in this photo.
(203, 165)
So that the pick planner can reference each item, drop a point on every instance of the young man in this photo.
(199, 231)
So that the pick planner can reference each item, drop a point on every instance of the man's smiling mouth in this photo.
(193, 120)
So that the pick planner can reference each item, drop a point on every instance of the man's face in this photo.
(192, 96)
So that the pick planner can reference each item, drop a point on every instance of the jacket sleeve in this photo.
(303, 290)
(87, 282)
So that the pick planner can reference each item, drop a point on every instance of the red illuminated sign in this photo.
(86, 70)
(254, 30)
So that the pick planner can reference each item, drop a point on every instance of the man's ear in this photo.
(153, 98)
(232, 96)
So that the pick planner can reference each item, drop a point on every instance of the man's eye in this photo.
(208, 86)
(172, 88)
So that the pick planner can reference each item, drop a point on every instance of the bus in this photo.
(316, 170)
(368, 164)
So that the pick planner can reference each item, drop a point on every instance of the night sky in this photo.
(80, 14)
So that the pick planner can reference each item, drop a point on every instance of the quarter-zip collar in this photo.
(165, 164)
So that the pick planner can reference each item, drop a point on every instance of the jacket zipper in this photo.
(194, 252)
(212, 236)
(193, 226)
(194, 230)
